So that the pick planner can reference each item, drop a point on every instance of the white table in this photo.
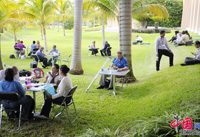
(52, 56)
(35, 89)
(113, 73)
(23, 79)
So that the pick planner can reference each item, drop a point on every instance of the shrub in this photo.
(140, 30)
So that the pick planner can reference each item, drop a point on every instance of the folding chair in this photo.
(65, 105)
(108, 51)
(37, 59)
(68, 59)
(11, 97)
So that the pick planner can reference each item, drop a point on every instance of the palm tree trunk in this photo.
(125, 32)
(94, 22)
(76, 66)
(15, 37)
(142, 24)
(147, 24)
(58, 26)
(45, 39)
(103, 34)
(64, 28)
(53, 25)
(1, 64)
(41, 33)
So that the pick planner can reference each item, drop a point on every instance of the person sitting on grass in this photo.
(33, 47)
(196, 59)
(103, 51)
(16, 74)
(9, 85)
(63, 90)
(139, 39)
(93, 48)
(120, 63)
(179, 37)
(55, 52)
(38, 45)
(174, 37)
(21, 47)
(53, 76)
(41, 57)
(185, 38)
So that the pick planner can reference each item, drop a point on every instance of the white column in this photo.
(193, 14)
(197, 20)
(191, 9)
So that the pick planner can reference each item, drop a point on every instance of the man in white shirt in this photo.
(160, 47)
(179, 37)
(55, 53)
(196, 59)
(139, 39)
(93, 48)
(16, 77)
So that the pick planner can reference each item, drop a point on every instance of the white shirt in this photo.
(161, 43)
(56, 79)
(139, 38)
(179, 38)
(92, 46)
(2, 75)
(198, 54)
(64, 87)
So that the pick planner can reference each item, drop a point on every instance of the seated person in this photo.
(33, 48)
(185, 38)
(93, 48)
(53, 76)
(196, 59)
(179, 37)
(120, 63)
(139, 39)
(55, 52)
(41, 56)
(188, 34)
(21, 46)
(103, 51)
(16, 74)
(174, 37)
(9, 85)
(63, 90)
(38, 45)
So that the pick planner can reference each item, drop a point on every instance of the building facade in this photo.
(191, 16)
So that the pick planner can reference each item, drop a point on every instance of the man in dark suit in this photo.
(103, 51)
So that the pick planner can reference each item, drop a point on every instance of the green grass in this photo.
(170, 90)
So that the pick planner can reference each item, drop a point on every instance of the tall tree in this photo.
(76, 66)
(63, 10)
(41, 11)
(125, 32)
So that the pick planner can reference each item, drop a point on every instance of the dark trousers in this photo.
(44, 60)
(94, 51)
(48, 104)
(103, 52)
(191, 61)
(166, 53)
(28, 105)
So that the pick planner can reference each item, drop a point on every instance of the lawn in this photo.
(170, 90)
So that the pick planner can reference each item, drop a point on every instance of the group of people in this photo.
(34, 47)
(181, 38)
(9, 83)
(48, 62)
(103, 51)
(162, 48)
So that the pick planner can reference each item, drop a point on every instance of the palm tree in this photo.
(41, 11)
(76, 66)
(63, 10)
(125, 32)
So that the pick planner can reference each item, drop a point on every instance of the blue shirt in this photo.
(33, 46)
(56, 51)
(120, 63)
(11, 87)
(39, 53)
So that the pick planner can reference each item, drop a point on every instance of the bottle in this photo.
(28, 85)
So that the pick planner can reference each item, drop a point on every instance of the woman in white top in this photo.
(93, 48)
(53, 76)
(196, 59)
(63, 90)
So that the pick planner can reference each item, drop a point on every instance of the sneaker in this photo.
(100, 87)
(40, 116)
(183, 64)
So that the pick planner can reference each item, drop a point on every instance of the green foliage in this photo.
(174, 8)
(69, 24)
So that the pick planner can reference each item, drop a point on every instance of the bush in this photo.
(69, 24)
(149, 30)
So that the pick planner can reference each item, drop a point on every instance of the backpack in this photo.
(12, 56)
(38, 73)
(107, 83)
(24, 73)
(33, 64)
